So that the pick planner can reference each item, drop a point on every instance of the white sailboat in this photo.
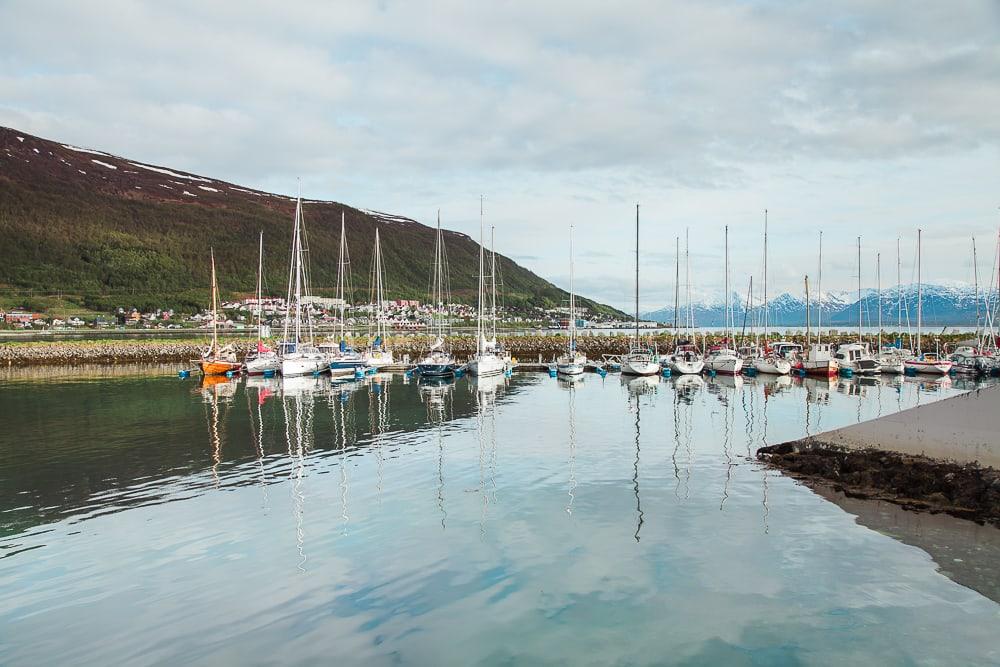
(640, 360)
(856, 356)
(299, 354)
(438, 362)
(924, 362)
(343, 359)
(571, 362)
(723, 358)
(377, 355)
(769, 359)
(686, 358)
(488, 359)
(891, 358)
(262, 359)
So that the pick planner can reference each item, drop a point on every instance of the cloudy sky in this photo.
(871, 118)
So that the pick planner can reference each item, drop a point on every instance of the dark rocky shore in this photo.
(968, 491)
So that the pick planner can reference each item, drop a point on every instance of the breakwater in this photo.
(525, 348)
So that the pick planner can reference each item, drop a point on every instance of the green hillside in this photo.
(106, 232)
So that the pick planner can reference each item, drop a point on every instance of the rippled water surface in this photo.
(150, 520)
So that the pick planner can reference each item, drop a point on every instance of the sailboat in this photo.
(262, 359)
(438, 362)
(770, 359)
(723, 358)
(216, 360)
(687, 358)
(571, 362)
(487, 360)
(890, 357)
(856, 356)
(640, 360)
(299, 355)
(818, 359)
(924, 362)
(377, 355)
(343, 358)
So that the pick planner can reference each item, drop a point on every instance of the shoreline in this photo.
(912, 481)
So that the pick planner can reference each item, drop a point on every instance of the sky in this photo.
(855, 118)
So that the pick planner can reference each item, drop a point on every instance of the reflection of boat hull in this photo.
(218, 367)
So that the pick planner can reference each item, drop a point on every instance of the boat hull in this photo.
(771, 366)
(639, 367)
(261, 365)
(927, 367)
(681, 367)
(827, 368)
(302, 364)
(217, 367)
(436, 370)
(726, 365)
(487, 365)
(569, 369)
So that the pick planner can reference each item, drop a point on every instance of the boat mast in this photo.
(215, 309)
(687, 277)
(260, 273)
(298, 273)
(340, 278)
(677, 280)
(975, 282)
(920, 294)
(878, 281)
(859, 291)
(637, 275)
(819, 299)
(765, 279)
(808, 333)
(572, 298)
(899, 294)
(728, 309)
(377, 291)
(493, 284)
(479, 314)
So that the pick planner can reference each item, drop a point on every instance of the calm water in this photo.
(149, 520)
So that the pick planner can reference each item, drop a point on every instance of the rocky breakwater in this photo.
(106, 352)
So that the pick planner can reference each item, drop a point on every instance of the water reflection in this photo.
(450, 512)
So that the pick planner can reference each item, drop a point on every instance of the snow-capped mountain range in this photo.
(948, 304)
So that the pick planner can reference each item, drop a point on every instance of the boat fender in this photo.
(358, 373)
(552, 372)
(603, 373)
(665, 372)
(229, 374)
(316, 374)
(711, 372)
(184, 374)
(269, 373)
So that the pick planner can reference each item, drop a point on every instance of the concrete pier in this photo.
(963, 429)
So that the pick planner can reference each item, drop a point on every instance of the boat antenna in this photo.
(637, 275)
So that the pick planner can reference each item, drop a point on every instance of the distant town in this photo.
(400, 315)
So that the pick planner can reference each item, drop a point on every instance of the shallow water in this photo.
(149, 520)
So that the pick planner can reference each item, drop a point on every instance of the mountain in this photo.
(108, 231)
(942, 305)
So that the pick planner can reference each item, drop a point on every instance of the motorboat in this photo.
(857, 358)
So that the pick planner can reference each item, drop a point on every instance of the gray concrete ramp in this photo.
(964, 429)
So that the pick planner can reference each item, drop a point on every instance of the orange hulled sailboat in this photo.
(216, 360)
